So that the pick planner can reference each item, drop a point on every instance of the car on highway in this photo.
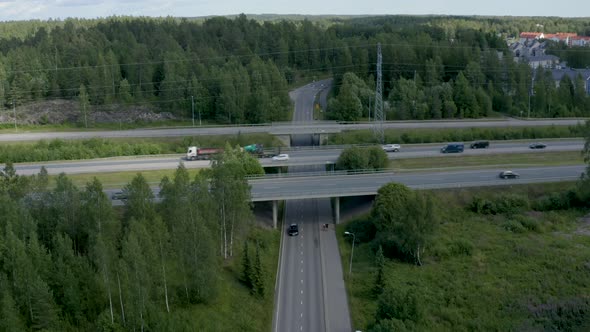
(281, 157)
(293, 230)
(391, 147)
(508, 175)
(537, 146)
(119, 195)
(479, 145)
(452, 148)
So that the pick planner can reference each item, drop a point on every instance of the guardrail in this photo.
(319, 174)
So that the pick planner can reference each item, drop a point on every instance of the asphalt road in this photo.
(301, 303)
(367, 184)
(284, 128)
(304, 156)
(300, 293)
(309, 186)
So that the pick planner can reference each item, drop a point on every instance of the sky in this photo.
(15, 10)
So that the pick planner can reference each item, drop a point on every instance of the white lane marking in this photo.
(302, 261)
(301, 270)
(301, 280)
(302, 292)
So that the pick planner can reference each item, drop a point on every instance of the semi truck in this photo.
(258, 151)
(197, 153)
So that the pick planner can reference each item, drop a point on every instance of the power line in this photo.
(379, 116)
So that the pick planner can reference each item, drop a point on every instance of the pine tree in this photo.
(258, 273)
(380, 278)
(10, 318)
(247, 270)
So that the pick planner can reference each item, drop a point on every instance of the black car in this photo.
(480, 145)
(119, 195)
(509, 175)
(293, 230)
(537, 146)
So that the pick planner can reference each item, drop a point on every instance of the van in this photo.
(452, 148)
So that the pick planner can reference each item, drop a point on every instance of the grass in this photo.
(438, 135)
(508, 160)
(9, 128)
(235, 309)
(479, 274)
(115, 180)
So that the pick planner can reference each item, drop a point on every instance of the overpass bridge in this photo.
(335, 185)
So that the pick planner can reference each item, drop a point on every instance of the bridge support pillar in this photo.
(337, 210)
(275, 212)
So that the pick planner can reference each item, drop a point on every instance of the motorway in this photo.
(295, 187)
(299, 295)
(310, 185)
(283, 128)
(305, 297)
(299, 156)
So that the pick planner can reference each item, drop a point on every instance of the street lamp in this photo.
(351, 252)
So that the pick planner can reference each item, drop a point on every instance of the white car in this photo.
(281, 157)
(391, 147)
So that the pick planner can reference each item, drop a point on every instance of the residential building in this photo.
(559, 74)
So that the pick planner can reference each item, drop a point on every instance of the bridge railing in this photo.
(320, 173)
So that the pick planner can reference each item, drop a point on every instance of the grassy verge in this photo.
(528, 271)
(116, 180)
(102, 148)
(514, 160)
(9, 128)
(318, 112)
(437, 135)
(235, 309)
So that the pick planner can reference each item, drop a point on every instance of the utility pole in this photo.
(193, 108)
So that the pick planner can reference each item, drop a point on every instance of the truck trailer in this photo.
(258, 151)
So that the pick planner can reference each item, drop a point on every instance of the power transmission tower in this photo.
(378, 115)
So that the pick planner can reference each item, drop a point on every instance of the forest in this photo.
(239, 70)
(70, 261)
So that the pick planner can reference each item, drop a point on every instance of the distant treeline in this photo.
(238, 70)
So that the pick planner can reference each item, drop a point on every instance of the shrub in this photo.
(461, 247)
(399, 304)
(571, 314)
(506, 203)
(363, 228)
(513, 226)
(352, 158)
(529, 223)
(355, 158)
(563, 200)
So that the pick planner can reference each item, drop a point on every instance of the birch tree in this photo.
(186, 209)
(232, 196)
(405, 219)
